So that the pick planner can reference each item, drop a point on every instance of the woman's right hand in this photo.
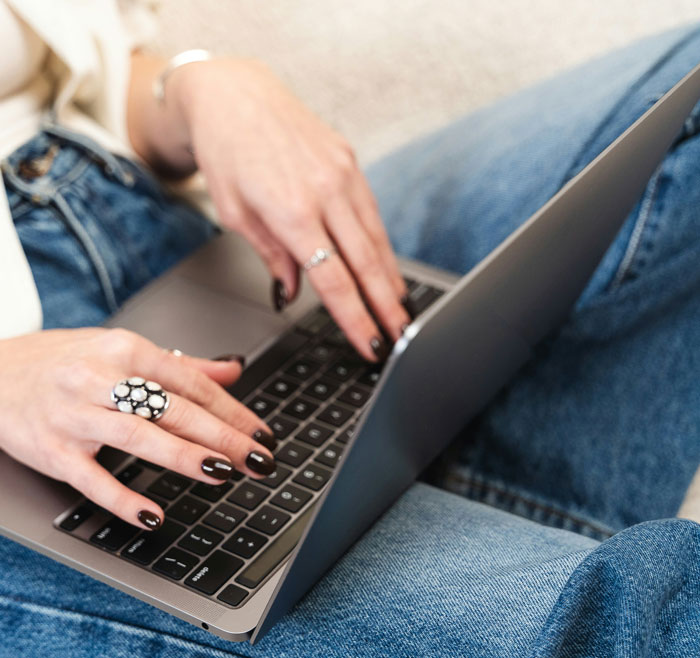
(56, 413)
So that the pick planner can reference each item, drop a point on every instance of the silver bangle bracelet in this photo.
(181, 59)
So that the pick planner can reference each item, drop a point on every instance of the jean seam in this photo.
(532, 504)
(642, 226)
(133, 629)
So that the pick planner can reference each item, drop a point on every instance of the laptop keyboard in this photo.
(225, 540)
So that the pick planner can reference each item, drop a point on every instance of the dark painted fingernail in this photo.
(217, 468)
(409, 307)
(380, 348)
(266, 439)
(260, 463)
(149, 519)
(280, 296)
(232, 357)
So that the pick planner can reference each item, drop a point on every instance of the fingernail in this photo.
(217, 468)
(280, 296)
(380, 348)
(407, 303)
(149, 519)
(266, 439)
(232, 357)
(260, 463)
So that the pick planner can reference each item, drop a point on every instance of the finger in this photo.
(177, 376)
(278, 260)
(364, 261)
(189, 440)
(366, 208)
(224, 370)
(339, 293)
(103, 489)
(237, 215)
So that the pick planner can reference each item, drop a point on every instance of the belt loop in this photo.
(111, 163)
(43, 196)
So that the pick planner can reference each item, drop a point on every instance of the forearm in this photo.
(157, 130)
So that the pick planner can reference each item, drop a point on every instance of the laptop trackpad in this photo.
(178, 313)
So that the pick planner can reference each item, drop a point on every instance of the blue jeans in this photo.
(598, 436)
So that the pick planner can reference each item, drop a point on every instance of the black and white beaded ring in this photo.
(140, 396)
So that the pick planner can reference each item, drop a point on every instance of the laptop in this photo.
(233, 558)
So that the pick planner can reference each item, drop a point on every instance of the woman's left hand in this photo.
(290, 185)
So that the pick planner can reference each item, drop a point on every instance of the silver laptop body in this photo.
(449, 364)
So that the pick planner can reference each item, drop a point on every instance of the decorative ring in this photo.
(173, 350)
(142, 397)
(319, 257)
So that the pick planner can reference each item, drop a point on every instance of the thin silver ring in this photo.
(320, 256)
(140, 396)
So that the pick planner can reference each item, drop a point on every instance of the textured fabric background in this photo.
(383, 71)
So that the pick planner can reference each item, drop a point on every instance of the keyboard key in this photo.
(292, 454)
(313, 476)
(371, 377)
(411, 284)
(347, 434)
(114, 534)
(355, 396)
(248, 495)
(152, 466)
(225, 517)
(337, 338)
(211, 492)
(232, 595)
(300, 408)
(323, 353)
(175, 564)
(245, 543)
(321, 389)
(335, 415)
(303, 368)
(156, 499)
(278, 477)
(281, 388)
(314, 434)
(169, 486)
(262, 406)
(79, 515)
(200, 540)
(282, 546)
(187, 510)
(315, 322)
(331, 455)
(130, 473)
(259, 370)
(291, 498)
(342, 370)
(422, 297)
(281, 427)
(268, 520)
(214, 572)
(149, 545)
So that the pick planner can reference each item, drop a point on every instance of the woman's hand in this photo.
(289, 184)
(56, 413)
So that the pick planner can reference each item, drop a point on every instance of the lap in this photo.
(437, 575)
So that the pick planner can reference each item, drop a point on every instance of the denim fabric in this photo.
(94, 224)
(598, 433)
(602, 429)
